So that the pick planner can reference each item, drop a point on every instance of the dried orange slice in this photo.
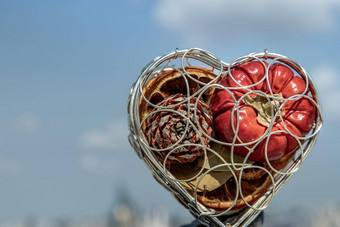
(254, 183)
(172, 82)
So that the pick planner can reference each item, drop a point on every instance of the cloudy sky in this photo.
(66, 68)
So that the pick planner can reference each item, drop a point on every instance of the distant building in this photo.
(327, 217)
(123, 212)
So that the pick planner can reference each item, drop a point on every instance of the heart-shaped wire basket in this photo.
(160, 160)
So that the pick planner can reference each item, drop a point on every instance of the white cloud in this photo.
(221, 19)
(26, 123)
(328, 216)
(326, 78)
(102, 147)
(96, 163)
(113, 136)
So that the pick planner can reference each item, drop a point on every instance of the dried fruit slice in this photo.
(172, 82)
(254, 183)
(223, 197)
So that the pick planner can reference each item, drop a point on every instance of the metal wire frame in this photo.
(136, 138)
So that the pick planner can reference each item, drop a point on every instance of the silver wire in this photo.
(146, 152)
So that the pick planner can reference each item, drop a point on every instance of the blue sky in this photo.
(66, 68)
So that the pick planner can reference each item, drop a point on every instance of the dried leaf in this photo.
(214, 160)
(263, 107)
(210, 181)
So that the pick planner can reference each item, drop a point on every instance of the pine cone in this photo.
(163, 129)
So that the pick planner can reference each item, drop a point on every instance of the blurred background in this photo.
(66, 68)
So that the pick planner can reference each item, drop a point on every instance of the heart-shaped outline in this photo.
(206, 215)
